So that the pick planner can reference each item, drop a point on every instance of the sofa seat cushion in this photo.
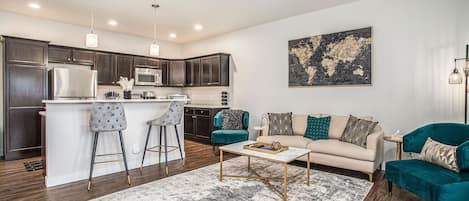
(229, 136)
(421, 177)
(344, 149)
(287, 140)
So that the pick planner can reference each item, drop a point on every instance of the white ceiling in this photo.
(174, 16)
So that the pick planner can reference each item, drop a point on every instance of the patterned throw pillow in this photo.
(232, 119)
(439, 154)
(357, 130)
(318, 128)
(280, 124)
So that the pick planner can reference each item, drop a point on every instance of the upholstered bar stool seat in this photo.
(107, 117)
(172, 117)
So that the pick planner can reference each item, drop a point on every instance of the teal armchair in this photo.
(429, 181)
(220, 137)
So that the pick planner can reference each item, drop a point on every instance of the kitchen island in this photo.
(68, 139)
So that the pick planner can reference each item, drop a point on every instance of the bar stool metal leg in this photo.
(93, 156)
(159, 148)
(166, 150)
(125, 158)
(179, 143)
(146, 145)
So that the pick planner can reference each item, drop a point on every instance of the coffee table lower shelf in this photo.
(281, 192)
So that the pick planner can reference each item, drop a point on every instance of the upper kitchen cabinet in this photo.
(123, 66)
(26, 52)
(192, 68)
(215, 70)
(104, 64)
(176, 73)
(164, 65)
(59, 54)
(146, 62)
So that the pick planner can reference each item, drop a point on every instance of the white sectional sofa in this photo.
(332, 152)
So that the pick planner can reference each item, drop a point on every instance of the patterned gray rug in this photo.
(203, 185)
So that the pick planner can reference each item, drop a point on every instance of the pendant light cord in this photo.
(155, 6)
(92, 22)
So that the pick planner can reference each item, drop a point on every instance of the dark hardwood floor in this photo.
(18, 184)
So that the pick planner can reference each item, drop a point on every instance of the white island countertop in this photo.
(87, 101)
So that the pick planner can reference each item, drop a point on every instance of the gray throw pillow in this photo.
(357, 131)
(280, 124)
(232, 119)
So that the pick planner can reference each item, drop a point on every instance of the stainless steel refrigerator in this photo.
(73, 82)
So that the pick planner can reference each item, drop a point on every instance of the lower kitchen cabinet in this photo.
(198, 123)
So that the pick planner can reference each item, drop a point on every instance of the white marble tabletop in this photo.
(284, 157)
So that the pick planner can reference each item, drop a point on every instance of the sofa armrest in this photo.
(375, 142)
(265, 125)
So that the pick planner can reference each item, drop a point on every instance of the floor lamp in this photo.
(457, 78)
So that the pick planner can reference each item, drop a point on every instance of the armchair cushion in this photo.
(425, 179)
(218, 120)
(462, 156)
(229, 136)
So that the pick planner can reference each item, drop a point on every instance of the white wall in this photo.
(414, 43)
(73, 35)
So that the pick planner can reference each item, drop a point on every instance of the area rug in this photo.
(203, 185)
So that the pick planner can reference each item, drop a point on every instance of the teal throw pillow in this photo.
(318, 128)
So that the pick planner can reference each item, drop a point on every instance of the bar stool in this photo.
(172, 117)
(107, 117)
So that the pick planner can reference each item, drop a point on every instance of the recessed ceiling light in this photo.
(172, 35)
(198, 27)
(112, 22)
(34, 5)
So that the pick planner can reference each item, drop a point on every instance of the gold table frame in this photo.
(282, 193)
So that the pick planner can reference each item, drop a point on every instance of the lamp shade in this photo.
(154, 49)
(91, 40)
(455, 77)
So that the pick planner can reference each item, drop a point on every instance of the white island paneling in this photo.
(69, 139)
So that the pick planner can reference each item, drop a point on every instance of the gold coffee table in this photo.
(283, 157)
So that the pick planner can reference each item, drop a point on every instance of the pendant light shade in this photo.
(91, 38)
(455, 77)
(154, 47)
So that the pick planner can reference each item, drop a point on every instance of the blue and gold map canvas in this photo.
(342, 58)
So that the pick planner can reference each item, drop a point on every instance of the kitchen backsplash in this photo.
(159, 91)
(206, 95)
(198, 95)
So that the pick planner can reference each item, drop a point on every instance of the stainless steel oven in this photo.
(148, 76)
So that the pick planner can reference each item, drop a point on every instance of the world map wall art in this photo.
(342, 58)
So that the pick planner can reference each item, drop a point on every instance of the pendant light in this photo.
(154, 47)
(92, 38)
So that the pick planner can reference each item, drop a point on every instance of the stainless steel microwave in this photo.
(148, 76)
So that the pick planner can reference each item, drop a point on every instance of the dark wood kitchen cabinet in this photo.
(123, 66)
(146, 62)
(67, 55)
(215, 70)
(104, 64)
(165, 65)
(176, 73)
(192, 68)
(198, 123)
(24, 82)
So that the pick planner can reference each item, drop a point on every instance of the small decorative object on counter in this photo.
(111, 95)
(126, 85)
(224, 98)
